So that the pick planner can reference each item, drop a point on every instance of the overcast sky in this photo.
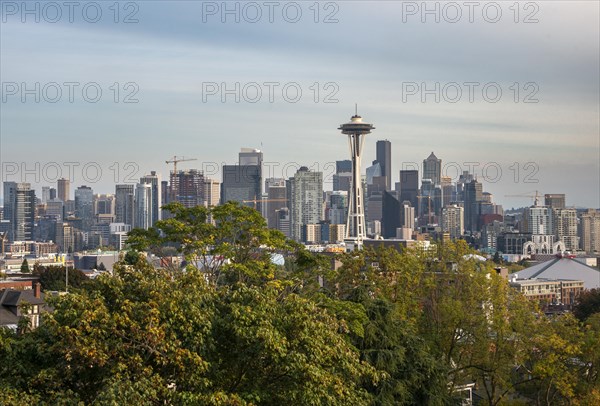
(382, 55)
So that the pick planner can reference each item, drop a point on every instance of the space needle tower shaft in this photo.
(356, 130)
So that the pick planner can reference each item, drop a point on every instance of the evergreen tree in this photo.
(25, 266)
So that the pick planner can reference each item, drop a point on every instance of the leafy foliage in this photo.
(53, 278)
(588, 303)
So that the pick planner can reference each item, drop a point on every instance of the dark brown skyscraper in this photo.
(63, 187)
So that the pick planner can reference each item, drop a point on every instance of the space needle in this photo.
(356, 129)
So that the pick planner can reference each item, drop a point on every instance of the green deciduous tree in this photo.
(149, 335)
(230, 328)
(588, 303)
(237, 247)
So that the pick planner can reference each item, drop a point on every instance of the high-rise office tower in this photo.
(276, 199)
(63, 188)
(463, 179)
(305, 191)
(53, 194)
(356, 130)
(432, 169)
(104, 204)
(84, 206)
(376, 185)
(187, 187)
(124, 204)
(438, 195)
(538, 220)
(19, 209)
(473, 193)
(392, 215)
(372, 172)
(65, 237)
(164, 192)
(590, 232)
(45, 194)
(427, 202)
(143, 206)
(336, 207)
(55, 209)
(154, 180)
(242, 183)
(342, 178)
(343, 166)
(69, 209)
(283, 221)
(384, 157)
(409, 186)
(251, 156)
(555, 201)
(448, 191)
(565, 227)
(165, 198)
(212, 192)
(453, 221)
(374, 207)
(408, 217)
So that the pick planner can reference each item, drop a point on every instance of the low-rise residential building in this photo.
(549, 291)
(16, 304)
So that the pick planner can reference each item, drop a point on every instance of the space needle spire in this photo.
(356, 129)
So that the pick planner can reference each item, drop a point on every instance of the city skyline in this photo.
(559, 133)
(509, 198)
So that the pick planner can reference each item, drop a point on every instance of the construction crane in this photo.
(263, 200)
(173, 188)
(180, 159)
(535, 197)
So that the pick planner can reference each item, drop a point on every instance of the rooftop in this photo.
(563, 268)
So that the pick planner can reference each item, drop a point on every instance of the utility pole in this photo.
(67, 274)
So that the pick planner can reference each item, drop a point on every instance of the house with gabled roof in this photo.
(16, 304)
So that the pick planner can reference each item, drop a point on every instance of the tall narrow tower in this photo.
(355, 227)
